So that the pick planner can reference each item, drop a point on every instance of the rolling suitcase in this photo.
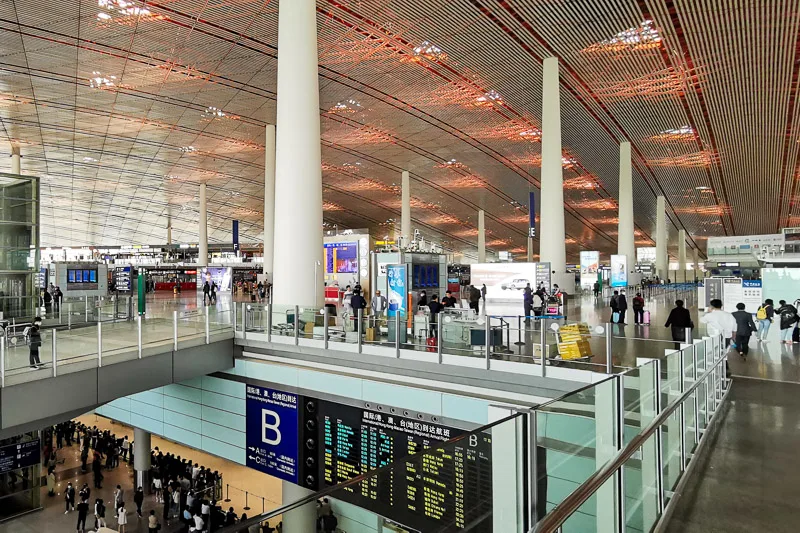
(431, 342)
(645, 317)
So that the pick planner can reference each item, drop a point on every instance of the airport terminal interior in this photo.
(395, 266)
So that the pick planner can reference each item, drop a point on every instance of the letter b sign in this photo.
(270, 427)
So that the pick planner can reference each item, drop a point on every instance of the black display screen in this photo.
(448, 490)
(81, 279)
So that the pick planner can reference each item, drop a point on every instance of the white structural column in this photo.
(405, 208)
(169, 231)
(481, 237)
(269, 198)
(662, 265)
(304, 518)
(696, 263)
(141, 457)
(15, 159)
(625, 237)
(298, 252)
(681, 256)
(202, 245)
(552, 245)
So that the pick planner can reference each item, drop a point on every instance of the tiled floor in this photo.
(748, 479)
(264, 492)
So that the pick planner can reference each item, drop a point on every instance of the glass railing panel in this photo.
(76, 349)
(690, 423)
(283, 320)
(639, 399)
(157, 331)
(577, 434)
(191, 323)
(640, 480)
(598, 512)
(671, 376)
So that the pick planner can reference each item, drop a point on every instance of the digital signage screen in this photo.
(341, 257)
(81, 279)
(447, 490)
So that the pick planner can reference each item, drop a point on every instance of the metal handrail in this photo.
(556, 518)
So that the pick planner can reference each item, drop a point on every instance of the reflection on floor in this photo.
(747, 479)
(263, 492)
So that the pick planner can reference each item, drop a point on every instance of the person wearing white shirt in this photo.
(199, 525)
(378, 305)
(718, 321)
(205, 511)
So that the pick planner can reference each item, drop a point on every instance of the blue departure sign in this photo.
(19, 455)
(272, 436)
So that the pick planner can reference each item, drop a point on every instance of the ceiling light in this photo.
(702, 188)
(213, 112)
(103, 16)
(488, 99)
(90, 160)
(640, 37)
(429, 51)
(188, 149)
(99, 81)
(346, 107)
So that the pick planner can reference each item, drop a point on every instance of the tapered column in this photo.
(269, 198)
(15, 160)
(302, 519)
(681, 255)
(202, 245)
(696, 263)
(625, 237)
(297, 261)
(552, 245)
(405, 208)
(481, 237)
(141, 458)
(662, 265)
(169, 231)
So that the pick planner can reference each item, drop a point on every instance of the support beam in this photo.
(696, 261)
(269, 198)
(202, 245)
(552, 245)
(481, 237)
(298, 251)
(304, 518)
(15, 160)
(662, 264)
(405, 209)
(625, 238)
(681, 256)
(141, 458)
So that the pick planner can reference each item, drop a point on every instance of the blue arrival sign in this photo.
(272, 441)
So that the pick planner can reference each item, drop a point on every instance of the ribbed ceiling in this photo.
(124, 107)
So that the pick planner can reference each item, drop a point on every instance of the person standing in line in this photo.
(527, 301)
(138, 499)
(788, 314)
(622, 305)
(449, 300)
(744, 328)
(614, 306)
(205, 513)
(764, 315)
(119, 499)
(51, 483)
(638, 308)
(83, 511)
(679, 319)
(596, 289)
(122, 517)
(69, 498)
(99, 514)
(126, 446)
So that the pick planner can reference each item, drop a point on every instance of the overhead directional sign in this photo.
(272, 436)
(19, 455)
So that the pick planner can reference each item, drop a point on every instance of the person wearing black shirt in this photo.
(449, 300)
(679, 319)
(434, 306)
(83, 510)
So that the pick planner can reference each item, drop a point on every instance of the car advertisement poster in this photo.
(619, 271)
(397, 288)
(272, 442)
(590, 262)
(504, 281)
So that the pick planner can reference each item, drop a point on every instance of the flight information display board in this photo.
(19, 455)
(448, 490)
